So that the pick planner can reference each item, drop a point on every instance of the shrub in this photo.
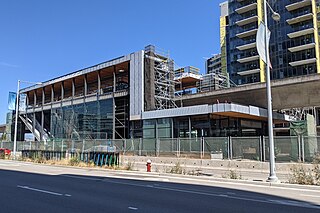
(301, 175)
(74, 161)
(177, 169)
(232, 175)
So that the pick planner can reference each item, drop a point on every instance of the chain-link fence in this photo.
(287, 148)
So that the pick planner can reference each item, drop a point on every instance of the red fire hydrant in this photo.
(148, 165)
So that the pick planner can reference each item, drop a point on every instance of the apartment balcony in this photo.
(301, 33)
(246, 8)
(246, 46)
(247, 21)
(248, 59)
(298, 19)
(302, 47)
(303, 62)
(298, 5)
(247, 33)
(248, 72)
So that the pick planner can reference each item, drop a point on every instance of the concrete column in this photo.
(62, 91)
(99, 83)
(34, 115)
(189, 119)
(52, 93)
(43, 96)
(73, 88)
(42, 125)
(27, 103)
(114, 105)
(42, 114)
(85, 85)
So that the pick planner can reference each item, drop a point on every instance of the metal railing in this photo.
(287, 148)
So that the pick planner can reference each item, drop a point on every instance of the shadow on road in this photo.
(30, 192)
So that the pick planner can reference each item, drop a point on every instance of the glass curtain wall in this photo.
(91, 120)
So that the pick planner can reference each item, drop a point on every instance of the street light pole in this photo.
(272, 175)
(16, 122)
(17, 115)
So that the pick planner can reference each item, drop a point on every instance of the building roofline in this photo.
(83, 71)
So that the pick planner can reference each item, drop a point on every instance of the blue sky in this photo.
(40, 40)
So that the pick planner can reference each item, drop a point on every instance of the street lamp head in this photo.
(276, 16)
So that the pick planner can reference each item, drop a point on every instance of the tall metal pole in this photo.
(16, 122)
(272, 175)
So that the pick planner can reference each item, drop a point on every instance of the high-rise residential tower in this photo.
(294, 43)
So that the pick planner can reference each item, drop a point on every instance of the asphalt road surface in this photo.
(57, 190)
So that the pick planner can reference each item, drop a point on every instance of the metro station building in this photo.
(133, 96)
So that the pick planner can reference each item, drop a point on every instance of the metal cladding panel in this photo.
(177, 112)
(224, 8)
(240, 108)
(254, 110)
(78, 73)
(136, 84)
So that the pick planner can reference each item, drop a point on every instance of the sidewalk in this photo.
(244, 169)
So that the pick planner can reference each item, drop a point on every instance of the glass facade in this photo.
(91, 120)
(197, 126)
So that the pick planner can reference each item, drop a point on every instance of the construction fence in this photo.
(287, 149)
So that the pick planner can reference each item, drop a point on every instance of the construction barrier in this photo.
(98, 158)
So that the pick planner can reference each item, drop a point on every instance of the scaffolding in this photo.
(214, 81)
(163, 72)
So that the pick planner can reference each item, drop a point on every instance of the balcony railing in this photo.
(247, 33)
(246, 46)
(299, 19)
(248, 72)
(302, 47)
(301, 33)
(247, 21)
(248, 59)
(303, 62)
(246, 8)
(298, 5)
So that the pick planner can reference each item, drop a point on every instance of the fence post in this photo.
(230, 147)
(202, 147)
(178, 147)
(140, 146)
(264, 148)
(302, 147)
(124, 146)
(157, 146)
(260, 149)
(53, 147)
(299, 148)
(61, 145)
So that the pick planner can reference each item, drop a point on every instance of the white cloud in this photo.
(8, 65)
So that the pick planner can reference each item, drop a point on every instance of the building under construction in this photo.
(133, 96)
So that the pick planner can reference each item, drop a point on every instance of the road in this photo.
(26, 187)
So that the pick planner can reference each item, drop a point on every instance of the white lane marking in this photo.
(132, 208)
(81, 177)
(204, 193)
(231, 193)
(309, 195)
(42, 191)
